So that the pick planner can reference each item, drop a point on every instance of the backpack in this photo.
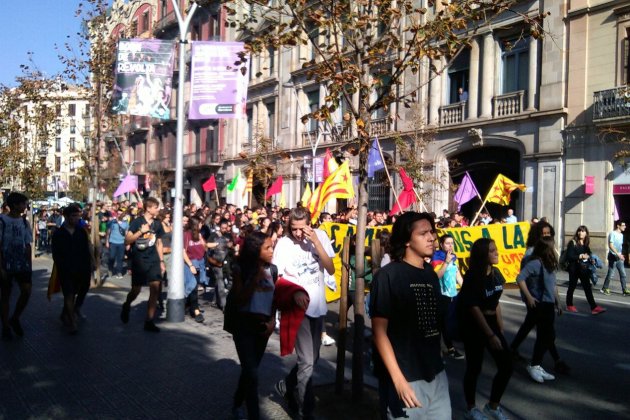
(230, 312)
(563, 264)
(12, 265)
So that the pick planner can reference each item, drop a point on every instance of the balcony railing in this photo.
(162, 164)
(380, 126)
(611, 103)
(164, 22)
(192, 159)
(453, 113)
(508, 104)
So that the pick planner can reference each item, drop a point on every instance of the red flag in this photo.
(210, 184)
(330, 164)
(407, 196)
(276, 187)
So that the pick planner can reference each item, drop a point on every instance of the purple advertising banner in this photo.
(144, 72)
(318, 169)
(218, 88)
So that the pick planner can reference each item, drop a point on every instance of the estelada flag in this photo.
(210, 184)
(501, 189)
(337, 185)
(276, 187)
(250, 183)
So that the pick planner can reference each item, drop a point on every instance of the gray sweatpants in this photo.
(299, 382)
(434, 397)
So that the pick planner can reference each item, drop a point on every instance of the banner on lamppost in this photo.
(144, 72)
(218, 89)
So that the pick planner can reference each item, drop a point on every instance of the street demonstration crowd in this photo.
(269, 268)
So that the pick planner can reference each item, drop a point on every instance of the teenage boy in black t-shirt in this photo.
(147, 261)
(405, 321)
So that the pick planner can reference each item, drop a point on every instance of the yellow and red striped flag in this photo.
(337, 185)
(250, 183)
(501, 189)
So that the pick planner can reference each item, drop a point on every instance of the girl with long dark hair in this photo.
(252, 290)
(578, 256)
(195, 271)
(481, 326)
(537, 281)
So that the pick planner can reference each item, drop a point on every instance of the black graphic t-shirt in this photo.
(408, 297)
(485, 295)
(144, 250)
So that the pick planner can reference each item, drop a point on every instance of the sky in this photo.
(36, 26)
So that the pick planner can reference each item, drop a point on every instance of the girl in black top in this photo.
(481, 326)
(578, 256)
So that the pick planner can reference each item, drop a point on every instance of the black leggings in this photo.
(584, 275)
(444, 304)
(528, 324)
(475, 342)
(250, 348)
(544, 313)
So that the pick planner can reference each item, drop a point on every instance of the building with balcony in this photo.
(598, 73)
(149, 144)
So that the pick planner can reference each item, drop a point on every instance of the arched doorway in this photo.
(484, 164)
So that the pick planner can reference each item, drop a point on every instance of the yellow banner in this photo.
(510, 239)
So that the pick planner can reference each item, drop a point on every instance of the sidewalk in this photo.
(112, 370)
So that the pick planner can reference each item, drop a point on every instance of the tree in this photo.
(259, 162)
(29, 124)
(368, 55)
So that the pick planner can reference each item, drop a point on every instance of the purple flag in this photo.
(375, 162)
(128, 184)
(466, 191)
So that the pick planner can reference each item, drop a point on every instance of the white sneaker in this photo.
(475, 414)
(535, 374)
(327, 340)
(497, 414)
(545, 375)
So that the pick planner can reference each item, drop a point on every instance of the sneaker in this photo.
(494, 414)
(124, 314)
(281, 389)
(572, 309)
(545, 375)
(562, 368)
(535, 374)
(7, 335)
(455, 354)
(199, 318)
(604, 291)
(626, 292)
(17, 327)
(327, 340)
(598, 310)
(151, 327)
(475, 414)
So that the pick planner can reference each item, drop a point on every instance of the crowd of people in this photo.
(267, 260)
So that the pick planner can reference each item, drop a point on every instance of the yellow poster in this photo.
(510, 239)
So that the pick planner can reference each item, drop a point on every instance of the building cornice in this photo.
(623, 7)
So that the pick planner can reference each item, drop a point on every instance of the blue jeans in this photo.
(116, 256)
(618, 264)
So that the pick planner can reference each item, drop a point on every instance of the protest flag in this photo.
(500, 192)
(275, 188)
(407, 196)
(337, 185)
(306, 195)
(128, 184)
(375, 159)
(210, 184)
(330, 164)
(232, 186)
(466, 191)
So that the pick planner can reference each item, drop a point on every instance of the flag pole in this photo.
(389, 178)
(216, 195)
(477, 191)
(482, 204)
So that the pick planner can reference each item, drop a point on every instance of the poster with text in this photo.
(143, 78)
(218, 88)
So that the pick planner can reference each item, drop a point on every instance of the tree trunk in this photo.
(96, 243)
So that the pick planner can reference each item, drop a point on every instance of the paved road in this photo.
(189, 370)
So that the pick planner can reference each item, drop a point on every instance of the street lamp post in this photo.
(175, 301)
